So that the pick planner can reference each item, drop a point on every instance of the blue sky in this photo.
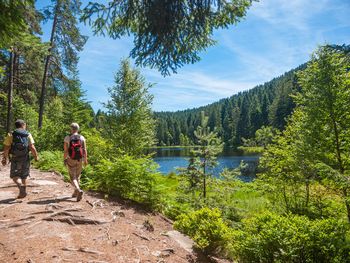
(275, 36)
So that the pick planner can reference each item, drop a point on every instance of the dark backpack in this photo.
(75, 149)
(20, 143)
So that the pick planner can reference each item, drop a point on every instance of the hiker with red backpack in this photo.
(17, 146)
(75, 154)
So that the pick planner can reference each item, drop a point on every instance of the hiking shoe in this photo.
(80, 195)
(22, 192)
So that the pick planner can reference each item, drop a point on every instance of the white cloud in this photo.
(294, 13)
(192, 89)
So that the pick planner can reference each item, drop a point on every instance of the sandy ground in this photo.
(50, 226)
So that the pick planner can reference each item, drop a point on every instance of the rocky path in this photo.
(49, 226)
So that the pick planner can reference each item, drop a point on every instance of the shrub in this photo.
(207, 228)
(98, 147)
(52, 161)
(275, 238)
(126, 176)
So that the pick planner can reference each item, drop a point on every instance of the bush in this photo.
(207, 228)
(98, 147)
(275, 238)
(128, 177)
(52, 161)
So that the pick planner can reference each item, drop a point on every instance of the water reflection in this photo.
(171, 158)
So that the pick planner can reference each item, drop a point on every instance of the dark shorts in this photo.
(20, 167)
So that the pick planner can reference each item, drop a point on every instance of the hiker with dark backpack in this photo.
(17, 146)
(75, 154)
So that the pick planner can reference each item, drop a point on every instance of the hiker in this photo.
(16, 149)
(75, 154)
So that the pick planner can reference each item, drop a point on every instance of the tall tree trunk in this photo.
(10, 91)
(47, 64)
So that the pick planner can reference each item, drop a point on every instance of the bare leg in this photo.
(16, 181)
(21, 184)
(24, 182)
(79, 192)
(75, 183)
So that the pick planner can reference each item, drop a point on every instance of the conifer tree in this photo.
(129, 115)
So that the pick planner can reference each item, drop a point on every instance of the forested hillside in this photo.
(235, 117)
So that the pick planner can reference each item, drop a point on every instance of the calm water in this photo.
(171, 158)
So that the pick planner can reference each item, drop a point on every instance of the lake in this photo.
(171, 158)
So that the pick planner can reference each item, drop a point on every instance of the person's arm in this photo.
(65, 152)
(5, 156)
(7, 147)
(34, 152)
(32, 147)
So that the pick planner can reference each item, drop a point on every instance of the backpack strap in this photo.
(21, 133)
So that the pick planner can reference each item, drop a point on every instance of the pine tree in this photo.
(129, 115)
(65, 43)
(168, 34)
(210, 145)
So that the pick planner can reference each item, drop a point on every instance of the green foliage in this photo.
(205, 157)
(127, 177)
(68, 40)
(276, 238)
(130, 123)
(52, 161)
(315, 146)
(263, 137)
(13, 20)
(251, 149)
(98, 147)
(167, 35)
(206, 227)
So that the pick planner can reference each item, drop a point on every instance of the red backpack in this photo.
(75, 149)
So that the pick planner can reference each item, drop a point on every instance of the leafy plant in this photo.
(277, 238)
(127, 177)
(207, 228)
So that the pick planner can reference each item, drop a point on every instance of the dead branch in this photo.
(141, 236)
(82, 249)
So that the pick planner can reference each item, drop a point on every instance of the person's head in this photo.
(74, 127)
(20, 124)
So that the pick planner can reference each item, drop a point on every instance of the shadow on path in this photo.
(14, 186)
(50, 201)
(10, 201)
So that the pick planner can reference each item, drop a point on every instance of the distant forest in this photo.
(236, 117)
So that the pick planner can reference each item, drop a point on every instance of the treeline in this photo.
(236, 117)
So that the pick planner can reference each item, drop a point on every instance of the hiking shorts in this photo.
(20, 167)
(74, 168)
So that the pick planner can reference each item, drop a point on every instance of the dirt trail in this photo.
(49, 226)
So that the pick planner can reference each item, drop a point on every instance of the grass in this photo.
(167, 184)
(249, 201)
(251, 150)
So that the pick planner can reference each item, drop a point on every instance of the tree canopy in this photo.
(167, 34)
